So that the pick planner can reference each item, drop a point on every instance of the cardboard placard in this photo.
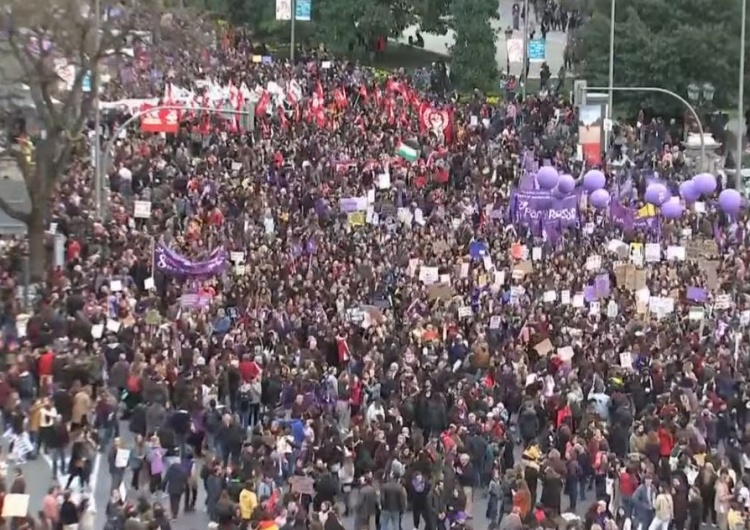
(303, 485)
(544, 347)
(701, 248)
(16, 505)
(440, 291)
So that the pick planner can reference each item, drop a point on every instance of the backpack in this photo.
(25, 386)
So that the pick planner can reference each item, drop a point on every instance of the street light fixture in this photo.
(701, 93)
(708, 92)
(693, 92)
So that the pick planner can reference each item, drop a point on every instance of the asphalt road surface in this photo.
(39, 478)
(555, 47)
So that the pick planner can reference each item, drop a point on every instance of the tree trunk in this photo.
(37, 248)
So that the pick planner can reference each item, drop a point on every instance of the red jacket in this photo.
(666, 442)
(628, 484)
(46, 361)
(249, 370)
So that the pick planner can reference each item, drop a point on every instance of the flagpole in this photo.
(153, 256)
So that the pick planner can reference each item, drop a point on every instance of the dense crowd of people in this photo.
(339, 304)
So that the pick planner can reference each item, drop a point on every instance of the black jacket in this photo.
(393, 497)
(58, 436)
(68, 513)
(175, 479)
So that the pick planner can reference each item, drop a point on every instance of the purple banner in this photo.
(697, 294)
(169, 261)
(602, 286)
(533, 207)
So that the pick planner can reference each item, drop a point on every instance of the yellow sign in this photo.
(647, 211)
(356, 218)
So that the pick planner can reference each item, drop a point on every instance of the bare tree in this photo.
(38, 38)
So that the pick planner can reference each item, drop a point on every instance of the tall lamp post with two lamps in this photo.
(701, 96)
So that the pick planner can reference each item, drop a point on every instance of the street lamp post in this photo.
(611, 77)
(524, 77)
(741, 93)
(700, 96)
(98, 174)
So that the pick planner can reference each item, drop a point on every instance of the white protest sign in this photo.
(428, 275)
(653, 252)
(723, 301)
(142, 209)
(578, 300)
(593, 263)
(565, 297)
(676, 253)
(121, 458)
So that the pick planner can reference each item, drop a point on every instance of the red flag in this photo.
(262, 107)
(339, 97)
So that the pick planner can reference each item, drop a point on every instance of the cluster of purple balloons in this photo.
(703, 185)
(550, 180)
(594, 182)
(657, 194)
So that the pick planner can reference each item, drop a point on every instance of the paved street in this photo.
(555, 42)
(39, 477)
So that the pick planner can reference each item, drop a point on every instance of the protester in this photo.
(364, 296)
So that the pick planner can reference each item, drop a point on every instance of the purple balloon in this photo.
(705, 183)
(566, 183)
(599, 199)
(672, 209)
(730, 201)
(594, 180)
(688, 191)
(547, 177)
(557, 193)
(657, 194)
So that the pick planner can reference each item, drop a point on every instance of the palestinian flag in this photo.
(407, 152)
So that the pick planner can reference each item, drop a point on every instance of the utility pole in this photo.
(291, 37)
(98, 175)
(741, 96)
(524, 77)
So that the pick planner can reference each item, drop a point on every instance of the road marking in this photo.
(75, 486)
